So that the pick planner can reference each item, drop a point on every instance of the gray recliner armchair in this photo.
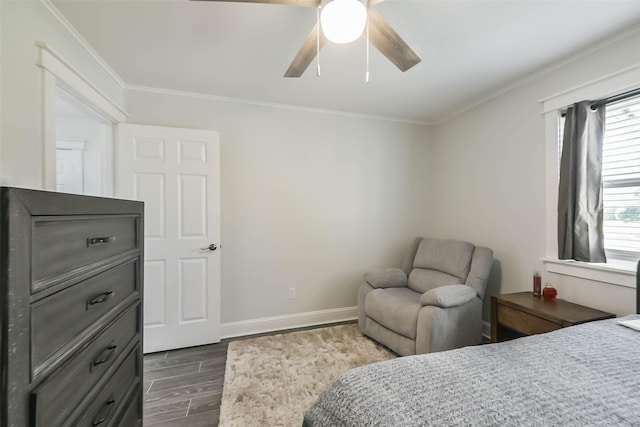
(433, 303)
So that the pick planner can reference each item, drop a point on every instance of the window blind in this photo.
(621, 178)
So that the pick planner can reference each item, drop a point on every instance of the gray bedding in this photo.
(583, 375)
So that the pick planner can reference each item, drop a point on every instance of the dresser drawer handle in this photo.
(92, 241)
(105, 355)
(100, 298)
(103, 413)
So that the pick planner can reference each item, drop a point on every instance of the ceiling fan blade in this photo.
(389, 43)
(301, 3)
(306, 53)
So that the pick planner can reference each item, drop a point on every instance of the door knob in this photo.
(212, 247)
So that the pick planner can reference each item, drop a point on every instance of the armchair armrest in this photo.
(448, 296)
(386, 278)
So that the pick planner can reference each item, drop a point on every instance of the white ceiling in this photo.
(469, 49)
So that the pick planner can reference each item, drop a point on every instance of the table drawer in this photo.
(59, 395)
(110, 401)
(59, 320)
(61, 247)
(523, 322)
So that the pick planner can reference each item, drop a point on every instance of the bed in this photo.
(583, 375)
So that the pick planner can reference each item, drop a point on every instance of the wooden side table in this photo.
(520, 314)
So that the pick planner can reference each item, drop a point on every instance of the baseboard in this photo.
(290, 321)
(486, 330)
(301, 320)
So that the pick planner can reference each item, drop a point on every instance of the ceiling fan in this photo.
(380, 34)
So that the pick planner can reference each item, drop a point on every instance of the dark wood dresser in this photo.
(70, 310)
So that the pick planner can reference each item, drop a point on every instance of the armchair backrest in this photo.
(440, 262)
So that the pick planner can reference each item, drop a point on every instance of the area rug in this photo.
(272, 380)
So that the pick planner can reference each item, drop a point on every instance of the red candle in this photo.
(549, 293)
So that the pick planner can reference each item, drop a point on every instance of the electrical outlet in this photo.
(292, 293)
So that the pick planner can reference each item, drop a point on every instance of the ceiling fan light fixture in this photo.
(343, 21)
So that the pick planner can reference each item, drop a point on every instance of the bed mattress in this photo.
(583, 375)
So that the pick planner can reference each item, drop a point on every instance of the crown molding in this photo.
(96, 56)
(100, 61)
(217, 98)
(83, 42)
(572, 58)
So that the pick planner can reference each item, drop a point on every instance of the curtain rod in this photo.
(614, 98)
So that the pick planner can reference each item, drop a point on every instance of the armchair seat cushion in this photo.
(448, 296)
(394, 308)
(386, 278)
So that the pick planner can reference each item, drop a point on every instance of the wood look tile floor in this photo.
(183, 388)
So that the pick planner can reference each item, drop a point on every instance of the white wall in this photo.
(309, 200)
(490, 162)
(312, 200)
(23, 23)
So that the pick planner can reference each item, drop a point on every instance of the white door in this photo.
(69, 171)
(176, 173)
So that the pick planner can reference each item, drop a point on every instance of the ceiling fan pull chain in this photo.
(366, 76)
(318, 38)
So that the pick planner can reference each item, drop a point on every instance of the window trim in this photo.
(614, 272)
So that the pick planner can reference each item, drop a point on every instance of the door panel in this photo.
(193, 274)
(153, 188)
(69, 171)
(176, 173)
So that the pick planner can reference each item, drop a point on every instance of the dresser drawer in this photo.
(133, 412)
(524, 323)
(58, 396)
(61, 247)
(103, 410)
(58, 321)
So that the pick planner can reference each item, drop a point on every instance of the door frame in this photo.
(59, 74)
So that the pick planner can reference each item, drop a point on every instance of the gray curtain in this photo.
(580, 213)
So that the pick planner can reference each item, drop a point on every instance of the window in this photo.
(621, 179)
(618, 271)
